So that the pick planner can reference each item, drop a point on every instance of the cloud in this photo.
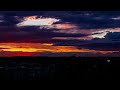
(86, 19)
(34, 21)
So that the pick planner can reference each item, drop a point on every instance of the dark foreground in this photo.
(72, 68)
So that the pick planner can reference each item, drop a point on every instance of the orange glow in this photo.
(38, 47)
(65, 26)
(29, 48)
(30, 18)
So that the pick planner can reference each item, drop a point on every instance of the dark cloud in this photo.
(111, 42)
(102, 46)
(30, 34)
(113, 36)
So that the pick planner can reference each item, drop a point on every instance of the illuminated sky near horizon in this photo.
(59, 33)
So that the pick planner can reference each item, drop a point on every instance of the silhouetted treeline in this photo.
(64, 68)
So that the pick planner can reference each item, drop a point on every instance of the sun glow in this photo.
(45, 47)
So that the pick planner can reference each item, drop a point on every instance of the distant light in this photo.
(33, 74)
(22, 66)
(108, 60)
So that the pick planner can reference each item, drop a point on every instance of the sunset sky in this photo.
(59, 33)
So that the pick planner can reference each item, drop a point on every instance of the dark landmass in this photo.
(59, 68)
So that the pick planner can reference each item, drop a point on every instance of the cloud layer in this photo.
(93, 32)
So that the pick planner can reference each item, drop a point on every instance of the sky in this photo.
(59, 33)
